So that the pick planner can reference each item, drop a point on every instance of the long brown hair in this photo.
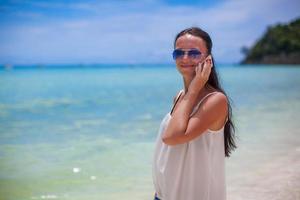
(213, 80)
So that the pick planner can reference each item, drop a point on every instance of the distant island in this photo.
(279, 45)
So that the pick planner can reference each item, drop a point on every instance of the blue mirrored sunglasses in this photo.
(193, 53)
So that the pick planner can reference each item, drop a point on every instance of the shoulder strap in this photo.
(197, 106)
(176, 100)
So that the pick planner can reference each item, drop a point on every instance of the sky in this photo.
(130, 31)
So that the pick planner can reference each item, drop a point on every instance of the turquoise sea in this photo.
(88, 133)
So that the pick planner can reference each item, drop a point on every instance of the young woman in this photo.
(197, 134)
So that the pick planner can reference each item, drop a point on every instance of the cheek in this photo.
(190, 61)
(197, 61)
(200, 60)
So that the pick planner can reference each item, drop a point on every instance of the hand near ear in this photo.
(202, 74)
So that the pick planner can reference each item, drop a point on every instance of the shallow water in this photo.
(89, 133)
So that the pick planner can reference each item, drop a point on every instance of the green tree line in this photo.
(280, 44)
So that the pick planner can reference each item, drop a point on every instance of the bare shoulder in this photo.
(217, 102)
(218, 98)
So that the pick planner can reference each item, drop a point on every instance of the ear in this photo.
(209, 59)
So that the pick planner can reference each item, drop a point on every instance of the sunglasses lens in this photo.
(177, 53)
(194, 53)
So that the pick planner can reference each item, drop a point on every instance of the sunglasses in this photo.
(193, 53)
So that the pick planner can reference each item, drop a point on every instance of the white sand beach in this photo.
(277, 180)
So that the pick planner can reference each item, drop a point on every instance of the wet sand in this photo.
(276, 180)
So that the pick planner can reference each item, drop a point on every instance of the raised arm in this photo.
(183, 128)
(180, 130)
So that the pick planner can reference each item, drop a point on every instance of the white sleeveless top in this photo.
(191, 171)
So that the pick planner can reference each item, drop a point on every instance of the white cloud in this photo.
(142, 35)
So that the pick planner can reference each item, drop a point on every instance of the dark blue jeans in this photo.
(156, 198)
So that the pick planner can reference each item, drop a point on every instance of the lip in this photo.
(187, 66)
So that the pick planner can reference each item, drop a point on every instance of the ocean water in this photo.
(89, 133)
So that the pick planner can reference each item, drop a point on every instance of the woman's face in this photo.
(185, 64)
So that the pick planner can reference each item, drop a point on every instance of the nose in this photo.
(185, 55)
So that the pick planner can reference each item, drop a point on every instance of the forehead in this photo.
(188, 41)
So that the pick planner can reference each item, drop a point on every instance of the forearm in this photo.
(180, 117)
(178, 124)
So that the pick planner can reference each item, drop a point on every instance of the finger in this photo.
(198, 68)
(208, 59)
(209, 62)
(208, 73)
(201, 65)
(207, 69)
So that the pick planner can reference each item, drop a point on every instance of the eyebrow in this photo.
(189, 49)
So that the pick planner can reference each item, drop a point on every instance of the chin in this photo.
(186, 69)
(187, 72)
